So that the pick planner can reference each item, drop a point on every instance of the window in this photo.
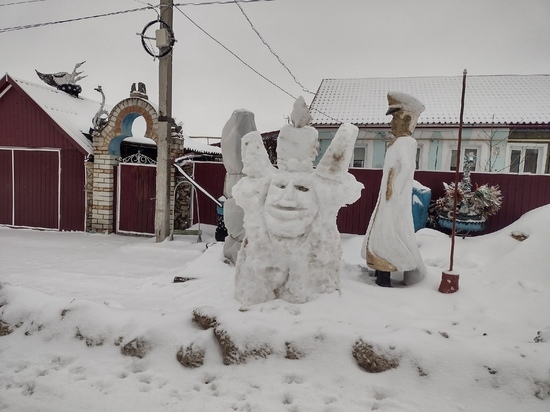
(526, 159)
(418, 150)
(359, 156)
(466, 152)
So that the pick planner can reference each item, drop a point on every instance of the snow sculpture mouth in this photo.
(288, 212)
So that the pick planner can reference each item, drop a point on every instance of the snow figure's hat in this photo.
(298, 142)
(403, 101)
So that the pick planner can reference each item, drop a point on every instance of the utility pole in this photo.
(162, 203)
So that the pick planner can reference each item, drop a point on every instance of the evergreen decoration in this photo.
(473, 205)
(479, 204)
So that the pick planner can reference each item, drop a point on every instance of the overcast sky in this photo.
(316, 39)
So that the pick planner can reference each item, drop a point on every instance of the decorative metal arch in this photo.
(139, 159)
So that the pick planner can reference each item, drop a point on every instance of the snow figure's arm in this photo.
(334, 164)
(250, 191)
(255, 158)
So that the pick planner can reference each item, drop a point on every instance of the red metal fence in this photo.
(521, 193)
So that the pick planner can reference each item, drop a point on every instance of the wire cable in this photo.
(32, 26)
(271, 50)
(20, 2)
(237, 57)
(207, 3)
(249, 66)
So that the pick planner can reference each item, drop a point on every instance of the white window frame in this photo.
(367, 162)
(464, 147)
(424, 147)
(541, 158)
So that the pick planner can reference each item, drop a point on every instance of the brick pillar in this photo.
(89, 166)
(103, 194)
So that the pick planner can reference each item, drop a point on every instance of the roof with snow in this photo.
(73, 114)
(499, 100)
(198, 147)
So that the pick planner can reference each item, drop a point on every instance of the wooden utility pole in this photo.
(162, 204)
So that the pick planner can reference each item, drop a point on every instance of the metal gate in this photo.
(30, 181)
(136, 195)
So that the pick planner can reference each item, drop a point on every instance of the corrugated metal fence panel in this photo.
(25, 124)
(73, 196)
(137, 188)
(36, 189)
(211, 176)
(6, 188)
(355, 218)
(521, 193)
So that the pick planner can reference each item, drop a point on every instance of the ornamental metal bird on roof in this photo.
(64, 81)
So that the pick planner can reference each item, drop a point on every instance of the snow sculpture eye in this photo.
(301, 188)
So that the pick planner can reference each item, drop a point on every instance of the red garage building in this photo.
(44, 145)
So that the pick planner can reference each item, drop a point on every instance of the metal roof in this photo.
(73, 114)
(499, 100)
(199, 147)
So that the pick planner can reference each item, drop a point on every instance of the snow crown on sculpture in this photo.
(291, 248)
(297, 144)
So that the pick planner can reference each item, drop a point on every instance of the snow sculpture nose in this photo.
(289, 196)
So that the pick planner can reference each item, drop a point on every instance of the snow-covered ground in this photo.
(73, 300)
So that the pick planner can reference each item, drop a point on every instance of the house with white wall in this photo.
(506, 122)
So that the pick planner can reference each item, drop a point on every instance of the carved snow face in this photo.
(291, 204)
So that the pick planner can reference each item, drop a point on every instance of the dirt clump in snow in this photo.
(370, 361)
(292, 352)
(203, 320)
(5, 329)
(138, 348)
(90, 341)
(234, 355)
(191, 357)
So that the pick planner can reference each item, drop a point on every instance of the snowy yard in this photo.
(72, 301)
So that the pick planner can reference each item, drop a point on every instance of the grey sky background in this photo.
(316, 39)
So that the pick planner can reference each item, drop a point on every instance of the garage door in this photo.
(30, 188)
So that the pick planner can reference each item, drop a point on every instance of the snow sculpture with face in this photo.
(291, 248)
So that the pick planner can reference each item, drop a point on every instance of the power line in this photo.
(20, 2)
(249, 66)
(271, 50)
(207, 3)
(32, 26)
(238, 58)
(51, 23)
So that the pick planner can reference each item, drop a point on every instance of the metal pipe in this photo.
(457, 171)
(196, 185)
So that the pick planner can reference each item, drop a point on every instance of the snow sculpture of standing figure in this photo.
(390, 243)
(239, 124)
(292, 246)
